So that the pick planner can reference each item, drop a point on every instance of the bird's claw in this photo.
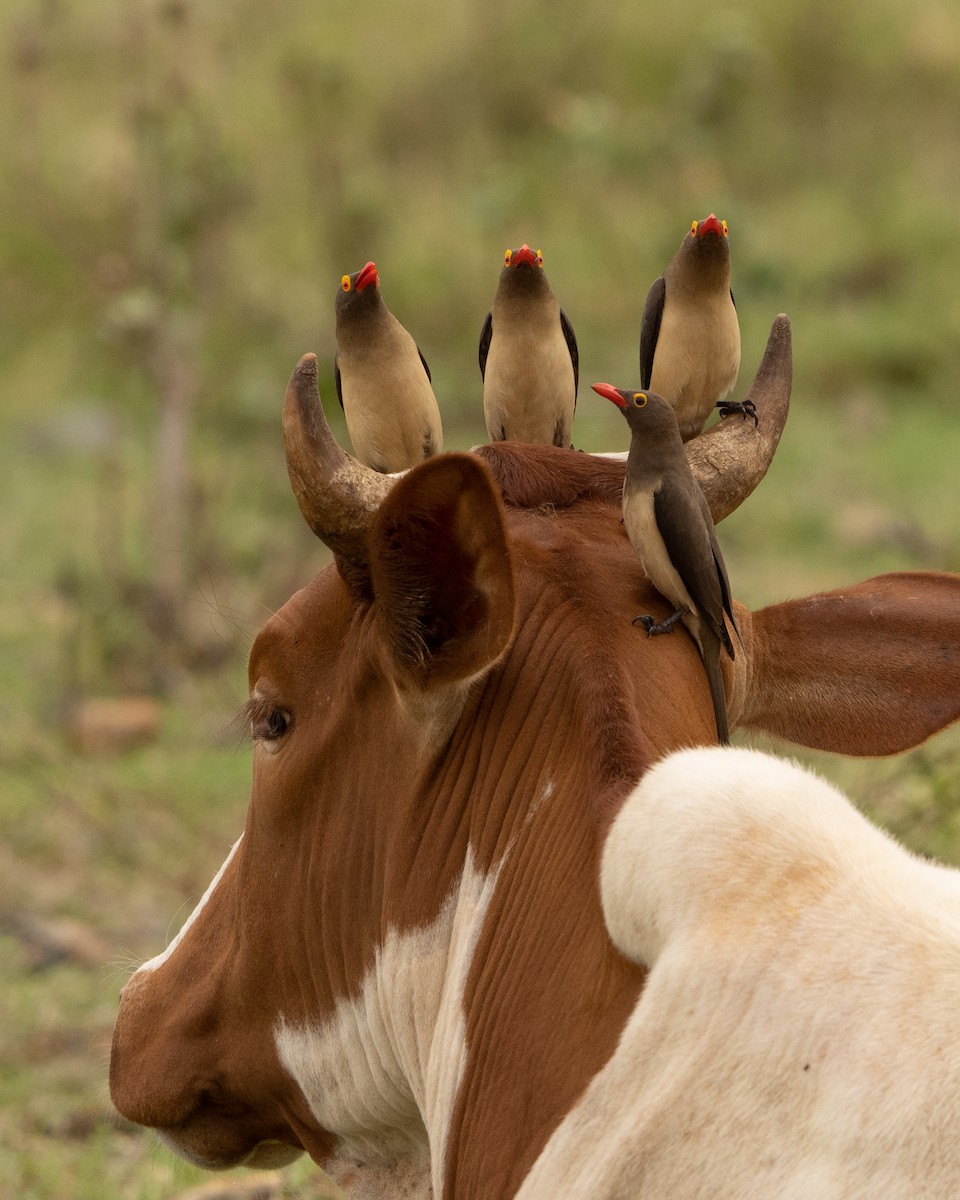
(746, 408)
(646, 621)
(664, 626)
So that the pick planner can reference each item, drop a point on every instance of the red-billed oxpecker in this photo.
(528, 357)
(383, 381)
(689, 333)
(669, 525)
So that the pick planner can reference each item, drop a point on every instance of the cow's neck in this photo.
(383, 1071)
(475, 1013)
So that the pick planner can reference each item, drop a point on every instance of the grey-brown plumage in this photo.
(528, 357)
(383, 382)
(689, 333)
(669, 525)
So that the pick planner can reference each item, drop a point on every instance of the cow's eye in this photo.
(268, 721)
(275, 724)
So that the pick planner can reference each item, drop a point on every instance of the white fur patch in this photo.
(799, 1032)
(546, 792)
(382, 1073)
(159, 959)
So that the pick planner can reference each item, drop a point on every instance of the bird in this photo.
(529, 360)
(668, 522)
(383, 381)
(689, 332)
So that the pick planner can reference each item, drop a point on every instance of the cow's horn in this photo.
(337, 494)
(732, 457)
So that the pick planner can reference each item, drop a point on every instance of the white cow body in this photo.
(798, 1034)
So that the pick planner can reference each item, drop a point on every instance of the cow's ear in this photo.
(867, 670)
(441, 573)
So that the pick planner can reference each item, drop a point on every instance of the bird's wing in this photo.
(571, 339)
(650, 328)
(425, 367)
(336, 379)
(687, 539)
(486, 333)
(721, 572)
(724, 591)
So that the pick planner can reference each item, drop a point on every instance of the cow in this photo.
(404, 967)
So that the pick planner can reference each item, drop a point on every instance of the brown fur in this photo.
(893, 675)
(549, 476)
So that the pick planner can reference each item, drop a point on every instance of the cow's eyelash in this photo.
(249, 712)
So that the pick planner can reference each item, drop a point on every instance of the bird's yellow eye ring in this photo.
(639, 399)
(694, 226)
(539, 259)
(723, 226)
(507, 255)
(345, 283)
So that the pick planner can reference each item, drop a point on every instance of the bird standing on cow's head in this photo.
(689, 334)
(383, 381)
(528, 357)
(669, 525)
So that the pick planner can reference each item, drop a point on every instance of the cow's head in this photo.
(403, 967)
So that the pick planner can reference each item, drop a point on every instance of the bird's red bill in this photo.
(524, 255)
(366, 275)
(710, 225)
(609, 392)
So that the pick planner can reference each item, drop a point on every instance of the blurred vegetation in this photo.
(184, 183)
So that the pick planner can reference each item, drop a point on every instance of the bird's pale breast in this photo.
(388, 402)
(528, 383)
(697, 358)
(639, 519)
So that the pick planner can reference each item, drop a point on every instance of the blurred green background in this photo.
(183, 184)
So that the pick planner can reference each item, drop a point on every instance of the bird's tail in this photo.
(711, 663)
(724, 635)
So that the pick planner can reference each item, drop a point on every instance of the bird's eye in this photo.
(639, 399)
(694, 226)
(539, 259)
(507, 255)
(723, 226)
(345, 283)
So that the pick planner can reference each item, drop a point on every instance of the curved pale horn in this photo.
(731, 458)
(337, 494)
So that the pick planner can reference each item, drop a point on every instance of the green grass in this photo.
(225, 164)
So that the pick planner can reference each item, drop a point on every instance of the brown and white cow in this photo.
(404, 966)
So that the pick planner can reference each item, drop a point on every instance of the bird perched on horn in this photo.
(669, 525)
(383, 381)
(528, 357)
(689, 333)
